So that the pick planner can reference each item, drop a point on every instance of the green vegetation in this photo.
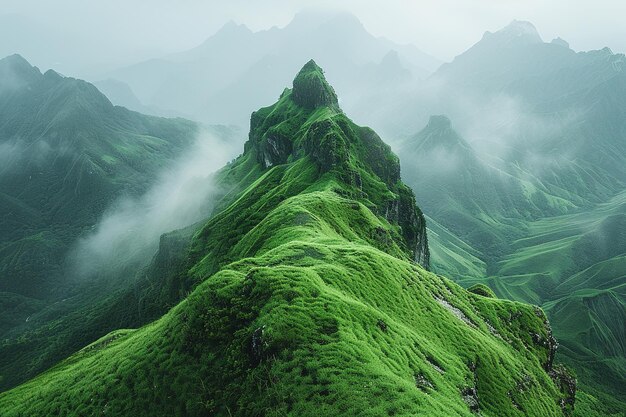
(574, 267)
(305, 299)
(66, 154)
(542, 221)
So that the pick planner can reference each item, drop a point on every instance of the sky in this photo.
(121, 32)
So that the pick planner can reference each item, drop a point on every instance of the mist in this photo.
(129, 231)
(81, 39)
(506, 125)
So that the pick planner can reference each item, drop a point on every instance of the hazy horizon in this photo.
(115, 34)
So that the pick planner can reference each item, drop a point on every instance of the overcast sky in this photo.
(124, 30)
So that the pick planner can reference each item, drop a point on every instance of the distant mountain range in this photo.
(67, 153)
(237, 70)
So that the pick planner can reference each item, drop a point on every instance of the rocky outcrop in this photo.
(274, 149)
(566, 383)
(413, 224)
(325, 145)
(548, 342)
(336, 144)
(310, 89)
(562, 377)
(470, 393)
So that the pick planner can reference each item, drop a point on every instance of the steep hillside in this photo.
(504, 229)
(532, 173)
(66, 154)
(309, 300)
(575, 266)
(479, 203)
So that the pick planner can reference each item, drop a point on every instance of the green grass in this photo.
(451, 255)
(323, 349)
(573, 265)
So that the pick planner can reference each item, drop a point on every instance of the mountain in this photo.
(120, 94)
(524, 189)
(574, 266)
(487, 227)
(307, 299)
(67, 156)
(237, 70)
(469, 194)
(461, 191)
(516, 59)
(67, 153)
(513, 74)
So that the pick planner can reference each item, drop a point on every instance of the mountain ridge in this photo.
(304, 291)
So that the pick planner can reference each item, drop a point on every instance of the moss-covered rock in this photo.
(482, 289)
(311, 90)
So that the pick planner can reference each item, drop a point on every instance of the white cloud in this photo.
(130, 230)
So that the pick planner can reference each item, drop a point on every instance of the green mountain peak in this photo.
(307, 123)
(310, 88)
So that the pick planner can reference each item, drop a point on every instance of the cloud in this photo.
(16, 156)
(9, 154)
(506, 127)
(128, 233)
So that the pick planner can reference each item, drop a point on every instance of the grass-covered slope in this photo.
(509, 229)
(309, 302)
(65, 154)
(575, 267)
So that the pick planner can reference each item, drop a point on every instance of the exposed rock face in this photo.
(470, 394)
(422, 382)
(549, 342)
(330, 150)
(413, 224)
(566, 383)
(561, 376)
(274, 150)
(402, 210)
